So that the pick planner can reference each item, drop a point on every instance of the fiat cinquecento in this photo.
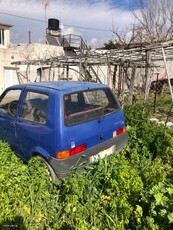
(66, 123)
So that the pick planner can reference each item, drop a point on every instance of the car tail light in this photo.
(71, 152)
(119, 131)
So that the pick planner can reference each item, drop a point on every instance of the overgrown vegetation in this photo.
(131, 190)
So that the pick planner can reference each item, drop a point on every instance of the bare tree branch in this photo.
(154, 20)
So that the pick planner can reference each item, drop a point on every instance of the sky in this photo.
(94, 20)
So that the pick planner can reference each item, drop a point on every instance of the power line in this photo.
(88, 28)
(38, 20)
(17, 16)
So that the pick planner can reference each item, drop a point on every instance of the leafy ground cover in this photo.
(131, 190)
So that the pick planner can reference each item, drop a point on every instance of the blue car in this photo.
(66, 123)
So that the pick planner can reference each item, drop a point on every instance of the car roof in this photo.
(67, 86)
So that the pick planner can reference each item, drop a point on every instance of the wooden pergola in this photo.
(121, 64)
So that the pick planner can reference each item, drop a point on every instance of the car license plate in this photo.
(102, 154)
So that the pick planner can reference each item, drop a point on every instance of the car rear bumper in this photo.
(62, 167)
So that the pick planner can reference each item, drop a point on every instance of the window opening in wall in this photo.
(2, 37)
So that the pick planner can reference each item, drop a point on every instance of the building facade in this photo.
(11, 74)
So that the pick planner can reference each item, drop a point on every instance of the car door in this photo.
(9, 104)
(31, 126)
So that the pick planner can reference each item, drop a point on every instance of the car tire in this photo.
(50, 170)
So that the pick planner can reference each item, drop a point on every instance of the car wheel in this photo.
(50, 170)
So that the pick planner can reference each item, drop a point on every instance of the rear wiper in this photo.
(105, 111)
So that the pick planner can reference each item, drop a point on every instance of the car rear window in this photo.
(88, 105)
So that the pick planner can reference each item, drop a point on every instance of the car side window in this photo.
(34, 107)
(9, 102)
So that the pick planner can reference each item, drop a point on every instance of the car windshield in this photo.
(88, 105)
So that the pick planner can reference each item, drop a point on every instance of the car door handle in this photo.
(12, 123)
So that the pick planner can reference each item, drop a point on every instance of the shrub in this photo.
(130, 190)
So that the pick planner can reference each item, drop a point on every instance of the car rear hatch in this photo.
(91, 117)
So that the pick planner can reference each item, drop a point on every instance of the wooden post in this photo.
(147, 73)
(170, 87)
(155, 93)
(131, 86)
(120, 79)
(114, 78)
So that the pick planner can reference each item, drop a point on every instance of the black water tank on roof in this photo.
(53, 24)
